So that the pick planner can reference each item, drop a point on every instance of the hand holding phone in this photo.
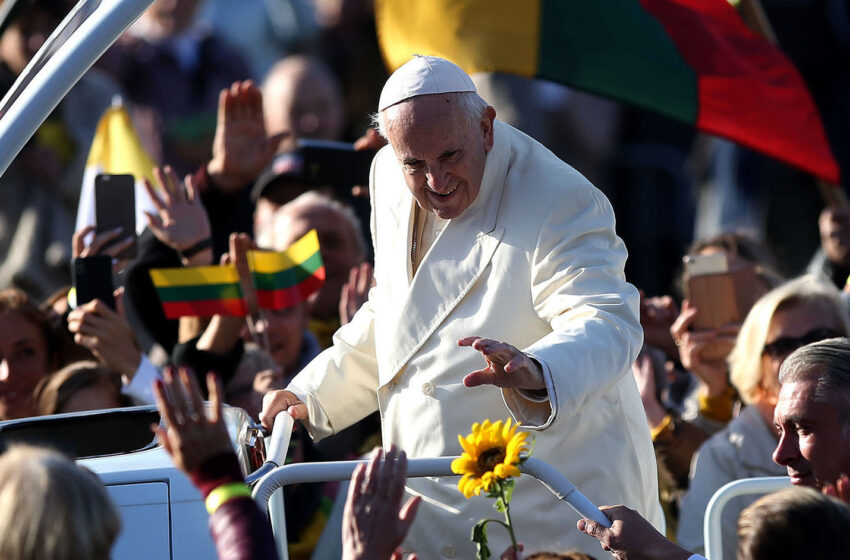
(93, 280)
(722, 295)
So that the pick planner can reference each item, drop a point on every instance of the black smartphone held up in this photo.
(93, 280)
(336, 164)
(115, 207)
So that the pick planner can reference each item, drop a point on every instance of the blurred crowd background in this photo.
(316, 72)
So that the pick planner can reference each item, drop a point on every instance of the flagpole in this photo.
(264, 343)
(61, 71)
(752, 12)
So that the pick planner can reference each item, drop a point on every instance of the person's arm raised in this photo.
(241, 147)
(197, 440)
(375, 522)
(181, 222)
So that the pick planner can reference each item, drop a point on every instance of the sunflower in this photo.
(490, 453)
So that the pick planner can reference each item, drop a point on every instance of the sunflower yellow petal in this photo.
(463, 464)
(468, 445)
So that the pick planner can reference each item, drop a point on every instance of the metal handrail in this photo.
(61, 70)
(275, 477)
(557, 483)
(712, 529)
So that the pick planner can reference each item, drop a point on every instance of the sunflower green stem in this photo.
(508, 524)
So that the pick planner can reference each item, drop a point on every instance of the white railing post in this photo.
(712, 532)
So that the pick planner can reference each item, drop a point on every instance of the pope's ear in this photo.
(487, 127)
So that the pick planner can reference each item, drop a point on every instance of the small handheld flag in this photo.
(281, 279)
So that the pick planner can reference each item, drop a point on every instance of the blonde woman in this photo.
(51, 509)
(796, 313)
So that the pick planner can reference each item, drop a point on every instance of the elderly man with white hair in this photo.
(499, 292)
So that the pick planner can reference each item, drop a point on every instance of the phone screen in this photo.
(115, 207)
(93, 279)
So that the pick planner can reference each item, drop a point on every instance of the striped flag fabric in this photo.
(281, 279)
(199, 291)
(116, 149)
(692, 60)
(289, 277)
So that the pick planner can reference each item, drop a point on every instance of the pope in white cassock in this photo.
(499, 292)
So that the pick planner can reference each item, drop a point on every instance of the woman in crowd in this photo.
(80, 386)
(28, 353)
(51, 509)
(799, 312)
(682, 374)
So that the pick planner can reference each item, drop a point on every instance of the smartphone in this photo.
(115, 207)
(93, 279)
(336, 164)
(702, 265)
(723, 296)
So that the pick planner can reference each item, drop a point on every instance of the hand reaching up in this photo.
(375, 522)
(189, 435)
(241, 148)
(181, 220)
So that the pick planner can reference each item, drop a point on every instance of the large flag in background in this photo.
(281, 279)
(116, 149)
(692, 60)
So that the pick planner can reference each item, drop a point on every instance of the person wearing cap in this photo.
(499, 292)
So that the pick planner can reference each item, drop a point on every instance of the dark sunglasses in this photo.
(782, 347)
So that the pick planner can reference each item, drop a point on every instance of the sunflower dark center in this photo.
(488, 460)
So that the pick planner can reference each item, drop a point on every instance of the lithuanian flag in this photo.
(692, 60)
(284, 279)
(199, 291)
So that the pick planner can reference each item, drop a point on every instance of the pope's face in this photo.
(441, 152)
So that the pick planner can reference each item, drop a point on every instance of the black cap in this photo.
(284, 175)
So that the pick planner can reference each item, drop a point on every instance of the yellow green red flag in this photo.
(692, 60)
(282, 279)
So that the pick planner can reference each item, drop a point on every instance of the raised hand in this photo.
(241, 148)
(371, 140)
(356, 291)
(374, 521)
(189, 436)
(507, 366)
(181, 220)
(840, 489)
(240, 244)
(644, 374)
(657, 315)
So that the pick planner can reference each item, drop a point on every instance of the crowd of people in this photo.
(487, 280)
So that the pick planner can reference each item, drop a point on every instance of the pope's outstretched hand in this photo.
(507, 366)
(279, 401)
